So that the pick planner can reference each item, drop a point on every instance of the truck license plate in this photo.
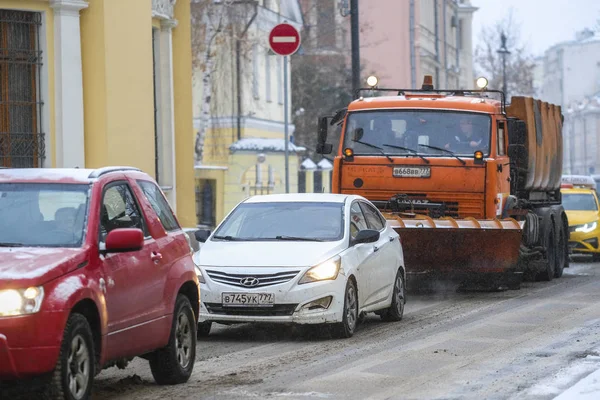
(412, 172)
(248, 299)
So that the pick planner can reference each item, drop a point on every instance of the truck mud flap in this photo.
(450, 247)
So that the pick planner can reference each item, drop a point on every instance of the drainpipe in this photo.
(458, 32)
(437, 42)
(445, 44)
(238, 67)
(413, 62)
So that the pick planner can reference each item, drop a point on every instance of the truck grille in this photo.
(456, 205)
(262, 279)
(277, 310)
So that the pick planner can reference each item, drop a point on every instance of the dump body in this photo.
(461, 198)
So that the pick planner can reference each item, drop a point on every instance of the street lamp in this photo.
(503, 51)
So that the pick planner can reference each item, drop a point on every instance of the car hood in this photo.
(581, 217)
(266, 254)
(33, 266)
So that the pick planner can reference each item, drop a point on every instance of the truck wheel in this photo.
(346, 328)
(561, 255)
(549, 265)
(174, 363)
(396, 310)
(74, 373)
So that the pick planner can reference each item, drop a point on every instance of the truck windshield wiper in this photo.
(446, 151)
(6, 244)
(407, 149)
(376, 147)
(292, 238)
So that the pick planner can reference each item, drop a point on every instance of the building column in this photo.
(69, 138)
(166, 118)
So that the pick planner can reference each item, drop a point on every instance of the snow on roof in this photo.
(264, 144)
(308, 164)
(325, 164)
(65, 175)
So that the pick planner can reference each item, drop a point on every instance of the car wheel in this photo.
(74, 373)
(396, 310)
(174, 363)
(346, 328)
(204, 329)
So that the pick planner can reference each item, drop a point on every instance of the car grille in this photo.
(262, 279)
(277, 310)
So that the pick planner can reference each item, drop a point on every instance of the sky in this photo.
(543, 23)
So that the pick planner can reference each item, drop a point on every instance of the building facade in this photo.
(98, 83)
(571, 73)
(242, 111)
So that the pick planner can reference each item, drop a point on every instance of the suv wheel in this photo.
(74, 372)
(204, 329)
(174, 363)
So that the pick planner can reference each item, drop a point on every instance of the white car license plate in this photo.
(412, 172)
(248, 299)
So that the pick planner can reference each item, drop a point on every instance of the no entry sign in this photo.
(284, 39)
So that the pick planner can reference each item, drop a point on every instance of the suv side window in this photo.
(119, 210)
(159, 205)
(357, 220)
(372, 216)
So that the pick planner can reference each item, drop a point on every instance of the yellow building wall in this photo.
(48, 59)
(118, 84)
(184, 128)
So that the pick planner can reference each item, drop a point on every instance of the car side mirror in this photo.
(366, 236)
(357, 134)
(202, 235)
(122, 240)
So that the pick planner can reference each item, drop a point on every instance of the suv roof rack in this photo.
(106, 170)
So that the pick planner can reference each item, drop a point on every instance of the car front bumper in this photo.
(290, 299)
(584, 243)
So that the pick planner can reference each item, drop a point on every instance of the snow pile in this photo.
(586, 389)
(264, 144)
(308, 164)
(325, 164)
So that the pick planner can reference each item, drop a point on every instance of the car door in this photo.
(365, 256)
(383, 276)
(124, 273)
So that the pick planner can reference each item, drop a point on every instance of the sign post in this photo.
(284, 40)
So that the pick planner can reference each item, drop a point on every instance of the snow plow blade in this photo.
(449, 247)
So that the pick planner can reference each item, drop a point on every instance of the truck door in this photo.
(502, 167)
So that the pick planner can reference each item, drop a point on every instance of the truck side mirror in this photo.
(322, 146)
(357, 134)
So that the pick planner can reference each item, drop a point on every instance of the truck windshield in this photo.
(460, 132)
(579, 202)
(42, 214)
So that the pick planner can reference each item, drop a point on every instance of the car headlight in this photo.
(587, 228)
(327, 270)
(200, 276)
(20, 302)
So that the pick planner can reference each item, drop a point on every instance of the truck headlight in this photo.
(587, 228)
(20, 302)
(327, 270)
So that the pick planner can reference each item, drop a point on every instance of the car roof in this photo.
(300, 197)
(58, 175)
(578, 190)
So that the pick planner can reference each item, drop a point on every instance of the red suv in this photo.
(94, 270)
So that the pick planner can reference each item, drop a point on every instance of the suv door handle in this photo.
(156, 257)
(392, 238)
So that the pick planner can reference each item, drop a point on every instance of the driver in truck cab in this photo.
(580, 200)
(467, 138)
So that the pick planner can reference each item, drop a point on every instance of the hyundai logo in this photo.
(249, 281)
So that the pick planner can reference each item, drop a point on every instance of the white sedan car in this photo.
(301, 258)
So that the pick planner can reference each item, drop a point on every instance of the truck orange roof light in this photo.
(348, 152)
(427, 82)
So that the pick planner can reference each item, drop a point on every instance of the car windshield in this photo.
(417, 131)
(579, 202)
(284, 221)
(42, 214)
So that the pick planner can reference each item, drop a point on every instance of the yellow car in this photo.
(581, 205)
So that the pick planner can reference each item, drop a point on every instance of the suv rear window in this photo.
(159, 205)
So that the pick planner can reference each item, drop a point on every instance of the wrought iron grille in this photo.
(21, 139)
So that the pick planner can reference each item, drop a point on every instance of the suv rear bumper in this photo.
(16, 363)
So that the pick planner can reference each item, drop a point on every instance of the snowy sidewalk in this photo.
(586, 389)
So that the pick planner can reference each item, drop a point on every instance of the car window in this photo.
(159, 205)
(372, 215)
(357, 220)
(119, 210)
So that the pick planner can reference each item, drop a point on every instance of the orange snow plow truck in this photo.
(471, 184)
